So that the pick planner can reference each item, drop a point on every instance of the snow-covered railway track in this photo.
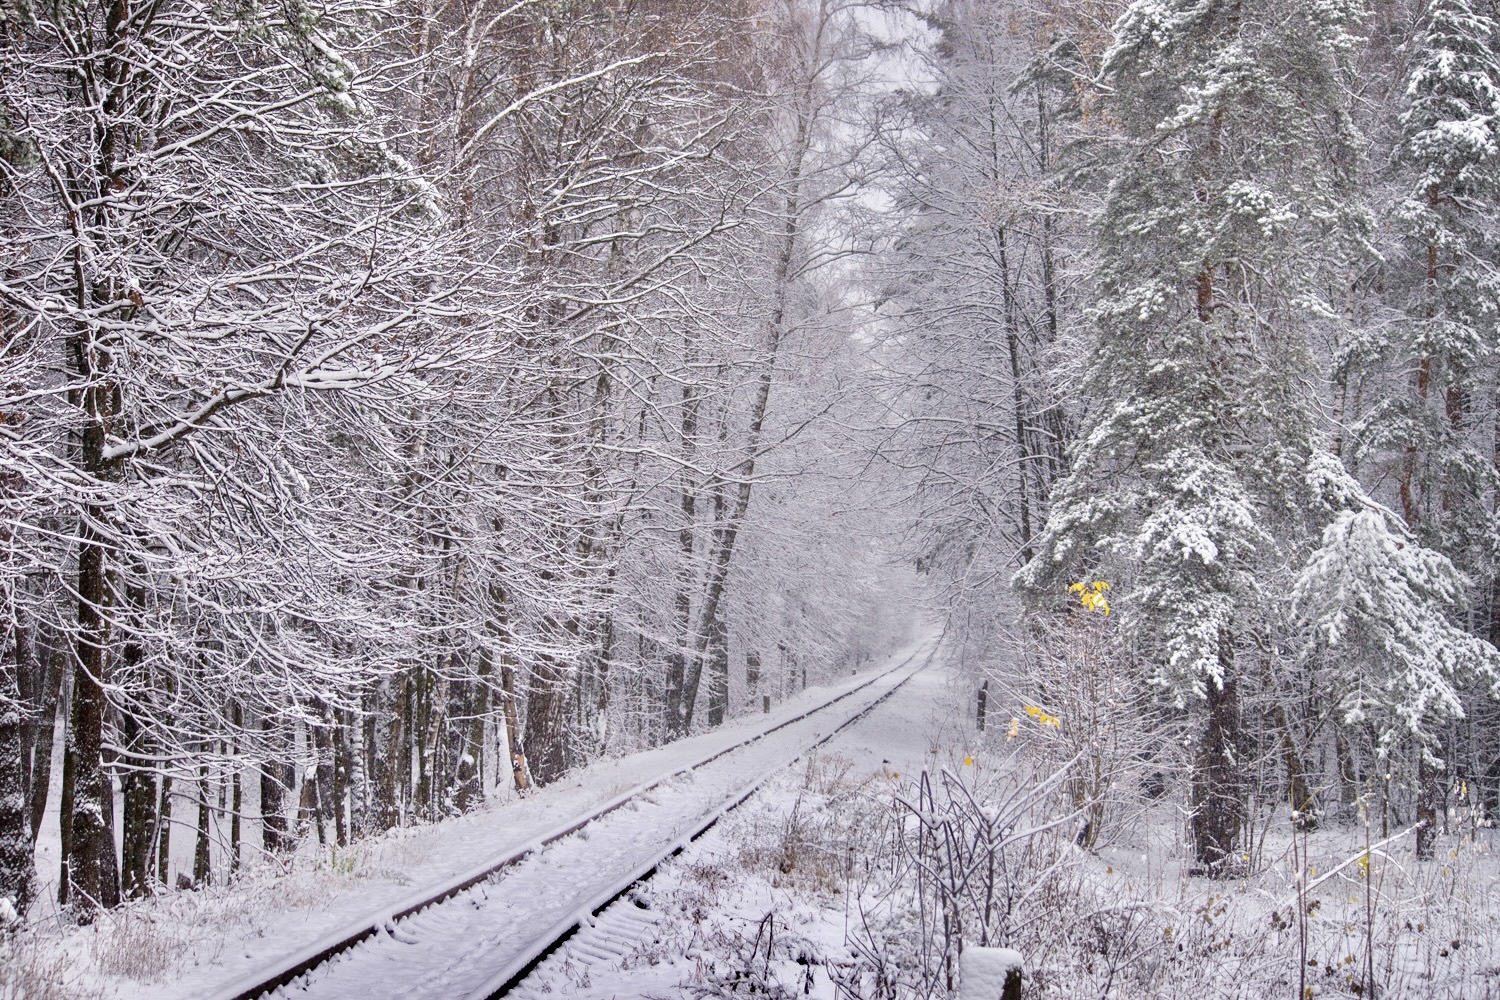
(480, 932)
(611, 930)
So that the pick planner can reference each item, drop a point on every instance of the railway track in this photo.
(366, 956)
(611, 928)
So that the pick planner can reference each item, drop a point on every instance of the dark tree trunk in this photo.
(388, 763)
(1218, 805)
(752, 675)
(309, 819)
(17, 870)
(275, 782)
(1429, 795)
(546, 713)
(325, 779)
(469, 778)
(237, 797)
(202, 869)
(140, 814)
(91, 857)
(164, 832)
(343, 766)
(137, 776)
(718, 674)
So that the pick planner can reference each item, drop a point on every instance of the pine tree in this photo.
(1380, 609)
(1430, 356)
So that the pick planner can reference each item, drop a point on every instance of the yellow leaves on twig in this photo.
(1042, 718)
(1091, 596)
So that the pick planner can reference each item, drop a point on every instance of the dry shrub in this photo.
(130, 944)
(29, 971)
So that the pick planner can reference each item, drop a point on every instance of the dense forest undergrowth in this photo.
(408, 403)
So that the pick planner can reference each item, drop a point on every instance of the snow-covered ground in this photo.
(202, 944)
(763, 879)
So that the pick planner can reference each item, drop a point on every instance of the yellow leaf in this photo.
(968, 762)
(1015, 729)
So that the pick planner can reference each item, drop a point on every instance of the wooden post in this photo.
(765, 704)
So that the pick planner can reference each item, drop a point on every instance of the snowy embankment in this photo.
(194, 945)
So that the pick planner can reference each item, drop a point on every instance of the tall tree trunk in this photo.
(1018, 398)
(343, 767)
(17, 870)
(236, 797)
(164, 832)
(202, 868)
(679, 707)
(90, 859)
(520, 772)
(718, 673)
(546, 713)
(470, 775)
(1429, 796)
(140, 812)
(275, 782)
(1218, 802)
(137, 778)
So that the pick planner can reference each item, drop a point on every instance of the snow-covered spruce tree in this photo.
(1429, 356)
(1444, 287)
(1229, 195)
(1378, 606)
